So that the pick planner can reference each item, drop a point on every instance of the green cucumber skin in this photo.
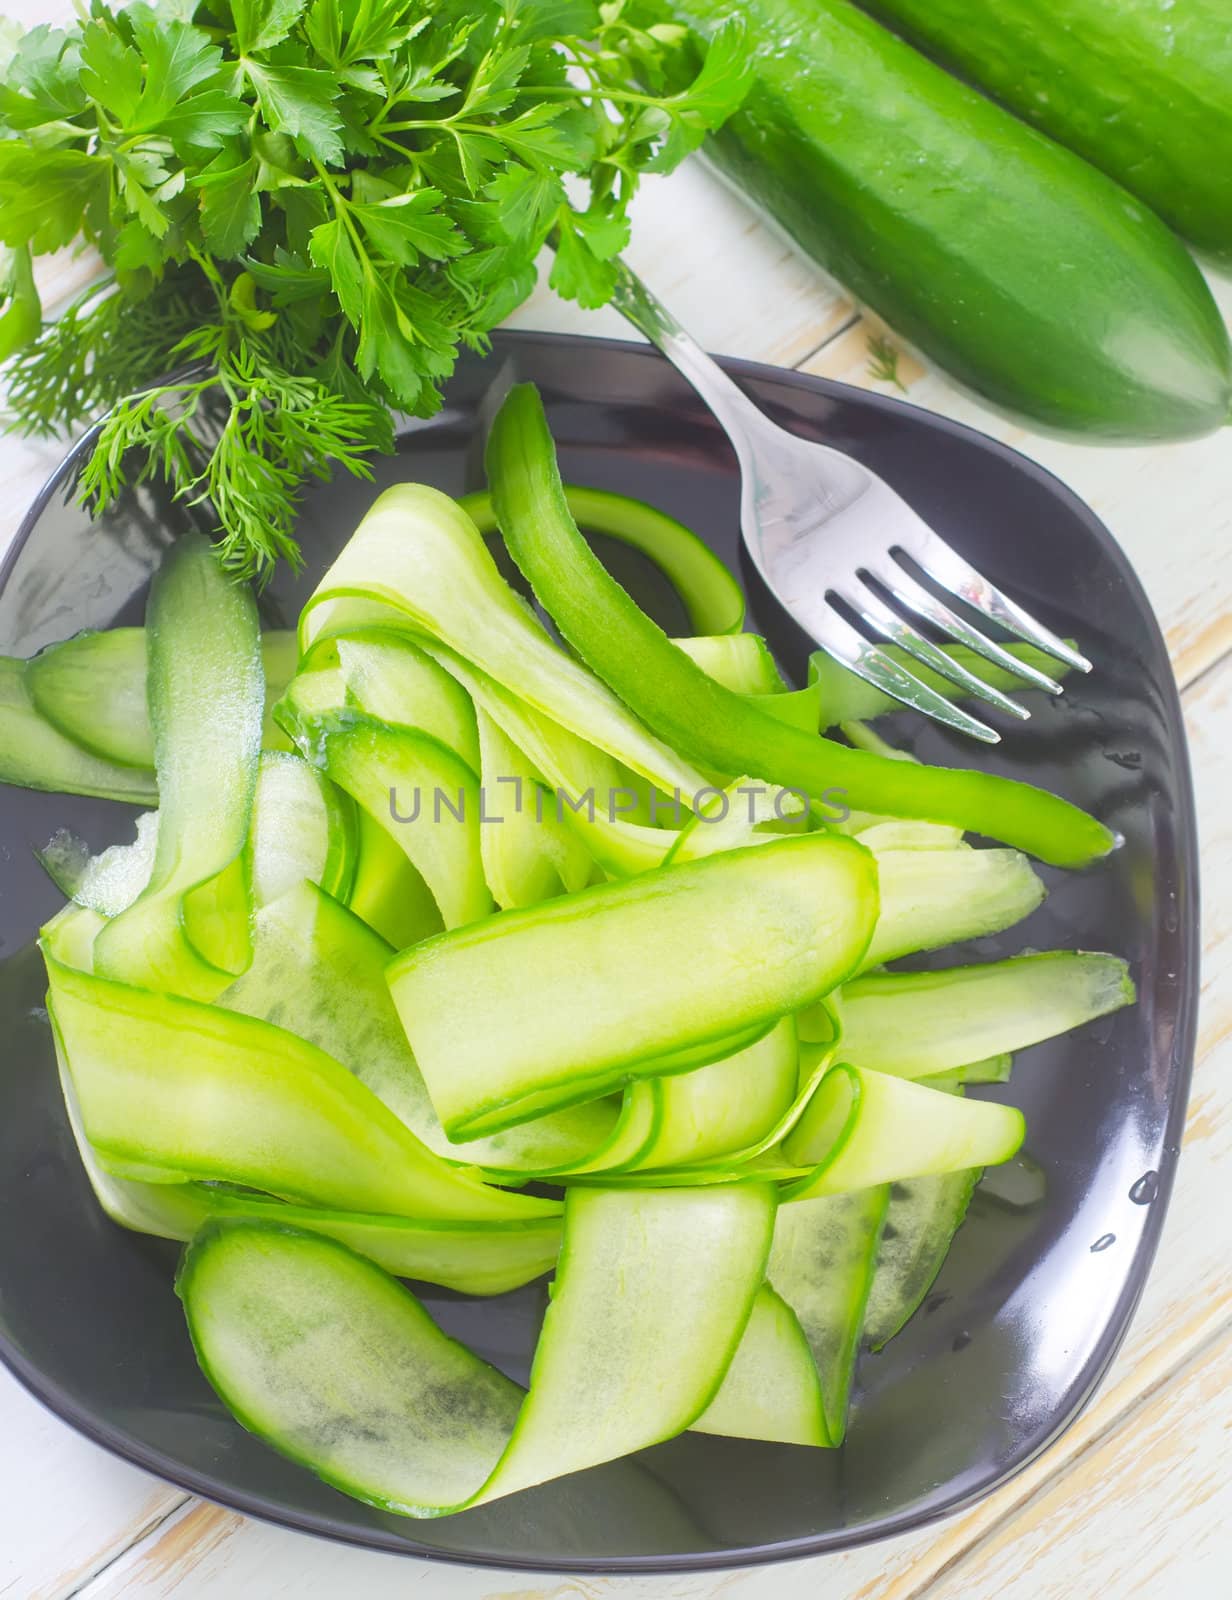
(1138, 87)
(1024, 272)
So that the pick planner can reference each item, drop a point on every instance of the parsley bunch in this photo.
(305, 208)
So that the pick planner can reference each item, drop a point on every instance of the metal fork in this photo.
(821, 527)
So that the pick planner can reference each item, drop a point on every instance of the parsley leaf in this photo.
(319, 203)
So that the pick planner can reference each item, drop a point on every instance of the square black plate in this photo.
(1040, 1287)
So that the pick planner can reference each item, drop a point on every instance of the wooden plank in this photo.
(69, 1507)
(1188, 1303)
(1170, 506)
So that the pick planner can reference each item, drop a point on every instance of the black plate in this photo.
(1037, 1293)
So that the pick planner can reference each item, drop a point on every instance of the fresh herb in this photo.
(883, 359)
(305, 209)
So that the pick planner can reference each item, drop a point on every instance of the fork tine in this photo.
(838, 638)
(891, 626)
(949, 569)
(915, 597)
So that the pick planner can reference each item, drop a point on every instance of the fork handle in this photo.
(738, 416)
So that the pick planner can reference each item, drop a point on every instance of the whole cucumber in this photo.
(1141, 88)
(1030, 276)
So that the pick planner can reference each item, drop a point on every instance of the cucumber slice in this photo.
(821, 1262)
(170, 1087)
(712, 597)
(539, 1008)
(319, 971)
(772, 1389)
(799, 708)
(302, 827)
(36, 755)
(917, 1023)
(724, 1107)
(109, 882)
(923, 1217)
(420, 556)
(387, 892)
(392, 679)
(993, 1069)
(188, 931)
(587, 789)
(740, 815)
(426, 799)
(528, 853)
(92, 688)
(931, 898)
(863, 1128)
(739, 661)
(469, 1257)
(652, 1296)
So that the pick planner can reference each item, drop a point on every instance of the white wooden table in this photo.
(1139, 1489)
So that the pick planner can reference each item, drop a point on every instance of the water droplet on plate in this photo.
(961, 1341)
(1102, 1243)
(1146, 1188)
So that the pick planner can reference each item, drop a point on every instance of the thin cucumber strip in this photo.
(726, 1106)
(188, 931)
(389, 676)
(772, 1389)
(170, 1086)
(586, 789)
(711, 596)
(531, 1010)
(739, 661)
(931, 898)
(36, 755)
(387, 892)
(685, 1121)
(798, 708)
(470, 1257)
(92, 688)
(528, 853)
(652, 1295)
(923, 1217)
(821, 1263)
(69, 936)
(697, 716)
(110, 881)
(846, 698)
(993, 1069)
(426, 799)
(918, 1023)
(303, 826)
(319, 971)
(740, 815)
(863, 1128)
(420, 556)
(881, 837)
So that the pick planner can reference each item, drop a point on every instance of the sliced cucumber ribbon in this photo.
(653, 1292)
(471, 1257)
(188, 930)
(418, 560)
(527, 1012)
(915, 1024)
(711, 596)
(171, 1089)
(865, 1128)
(697, 716)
